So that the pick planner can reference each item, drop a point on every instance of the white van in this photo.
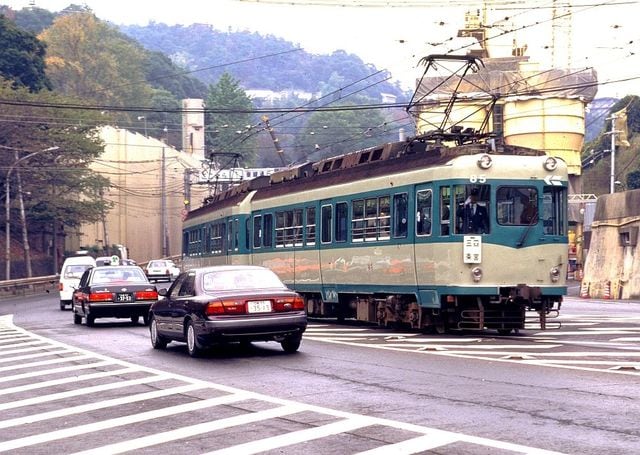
(70, 275)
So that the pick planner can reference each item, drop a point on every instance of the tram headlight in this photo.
(485, 161)
(554, 273)
(550, 163)
(476, 274)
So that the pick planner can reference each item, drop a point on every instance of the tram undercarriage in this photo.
(514, 309)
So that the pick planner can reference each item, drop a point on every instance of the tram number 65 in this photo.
(478, 179)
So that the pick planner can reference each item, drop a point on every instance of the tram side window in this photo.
(217, 238)
(445, 210)
(371, 219)
(289, 228)
(297, 227)
(424, 201)
(280, 233)
(257, 231)
(341, 221)
(384, 218)
(267, 233)
(247, 235)
(195, 242)
(357, 221)
(473, 204)
(400, 213)
(310, 231)
(554, 210)
(236, 236)
(325, 223)
(517, 205)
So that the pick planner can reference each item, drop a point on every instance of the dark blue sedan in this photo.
(210, 305)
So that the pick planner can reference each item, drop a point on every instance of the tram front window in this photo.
(472, 208)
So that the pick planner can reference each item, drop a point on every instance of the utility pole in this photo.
(187, 191)
(612, 180)
(163, 210)
(275, 140)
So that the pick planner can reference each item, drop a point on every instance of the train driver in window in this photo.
(472, 217)
(529, 214)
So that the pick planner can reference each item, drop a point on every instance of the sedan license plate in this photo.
(259, 306)
(124, 298)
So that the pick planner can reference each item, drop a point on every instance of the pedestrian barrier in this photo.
(607, 290)
(584, 290)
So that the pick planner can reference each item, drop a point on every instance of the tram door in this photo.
(233, 241)
(430, 252)
(329, 260)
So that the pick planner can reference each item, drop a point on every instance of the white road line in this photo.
(98, 405)
(12, 337)
(283, 407)
(331, 329)
(415, 445)
(85, 377)
(72, 358)
(35, 374)
(42, 438)
(295, 437)
(57, 350)
(340, 333)
(82, 391)
(484, 347)
(193, 430)
(40, 345)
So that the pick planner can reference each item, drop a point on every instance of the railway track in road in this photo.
(55, 398)
(608, 344)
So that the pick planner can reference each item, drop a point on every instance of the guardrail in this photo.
(28, 286)
(44, 284)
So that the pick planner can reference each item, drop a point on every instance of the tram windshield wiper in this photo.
(523, 237)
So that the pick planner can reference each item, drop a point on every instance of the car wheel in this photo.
(77, 319)
(91, 320)
(61, 305)
(192, 341)
(145, 319)
(134, 319)
(291, 343)
(157, 340)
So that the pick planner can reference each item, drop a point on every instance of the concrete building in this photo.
(193, 128)
(148, 193)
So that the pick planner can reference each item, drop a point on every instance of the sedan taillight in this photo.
(101, 297)
(289, 303)
(225, 307)
(146, 295)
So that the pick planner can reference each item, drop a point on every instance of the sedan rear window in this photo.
(247, 279)
(113, 274)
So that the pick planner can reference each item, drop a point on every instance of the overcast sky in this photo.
(605, 34)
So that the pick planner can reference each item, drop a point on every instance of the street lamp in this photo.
(7, 206)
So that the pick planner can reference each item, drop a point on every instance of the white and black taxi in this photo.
(113, 292)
